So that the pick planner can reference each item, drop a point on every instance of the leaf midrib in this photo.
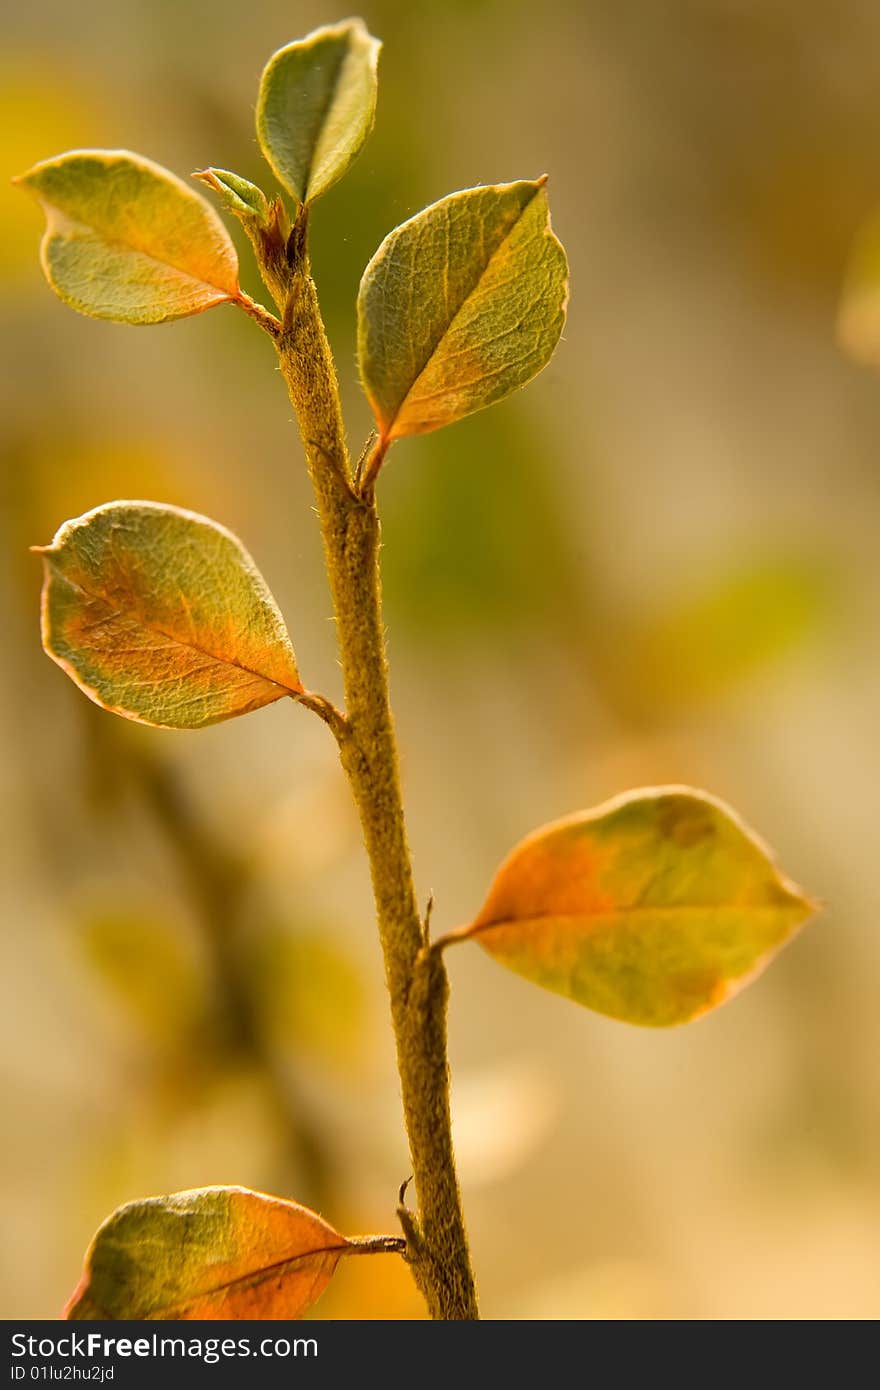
(460, 308)
(638, 909)
(328, 102)
(172, 637)
(258, 1275)
(119, 243)
(255, 1276)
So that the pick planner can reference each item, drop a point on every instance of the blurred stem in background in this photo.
(215, 881)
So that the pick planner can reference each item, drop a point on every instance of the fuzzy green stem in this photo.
(437, 1243)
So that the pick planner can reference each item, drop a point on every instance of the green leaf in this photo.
(316, 106)
(267, 225)
(238, 195)
(127, 240)
(161, 616)
(654, 908)
(460, 306)
(214, 1253)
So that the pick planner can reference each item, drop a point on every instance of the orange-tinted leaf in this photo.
(128, 240)
(213, 1253)
(161, 616)
(241, 197)
(653, 908)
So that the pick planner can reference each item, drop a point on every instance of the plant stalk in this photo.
(437, 1245)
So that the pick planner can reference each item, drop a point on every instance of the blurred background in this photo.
(659, 563)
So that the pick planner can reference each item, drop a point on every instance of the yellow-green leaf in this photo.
(653, 908)
(859, 314)
(213, 1253)
(127, 240)
(238, 194)
(267, 225)
(161, 616)
(460, 306)
(316, 106)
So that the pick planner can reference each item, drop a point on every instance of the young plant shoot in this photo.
(652, 909)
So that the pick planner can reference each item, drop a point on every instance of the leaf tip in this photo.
(25, 181)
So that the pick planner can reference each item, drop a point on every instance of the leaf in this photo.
(161, 616)
(266, 224)
(858, 324)
(460, 305)
(654, 908)
(213, 1253)
(316, 106)
(238, 194)
(127, 240)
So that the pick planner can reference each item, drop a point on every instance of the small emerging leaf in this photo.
(316, 106)
(161, 616)
(653, 908)
(460, 306)
(127, 240)
(214, 1253)
(267, 226)
(239, 195)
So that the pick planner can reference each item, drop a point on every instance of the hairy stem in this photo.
(437, 1242)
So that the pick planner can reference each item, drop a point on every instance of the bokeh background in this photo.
(659, 563)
